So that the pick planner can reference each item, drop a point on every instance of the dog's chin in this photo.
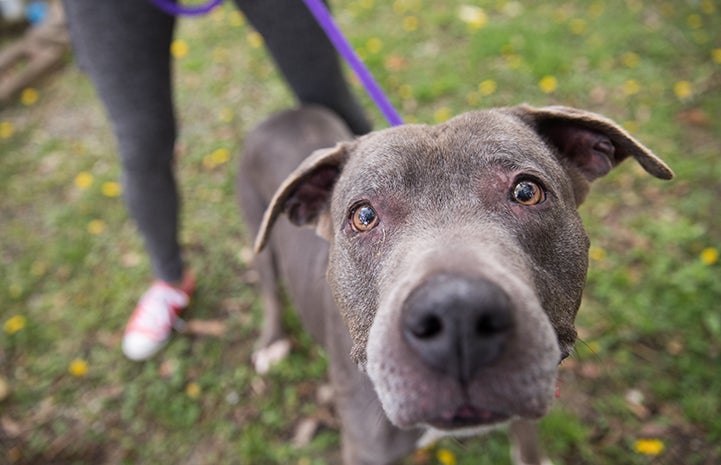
(453, 417)
(467, 417)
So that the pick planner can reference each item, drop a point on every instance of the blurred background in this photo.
(644, 386)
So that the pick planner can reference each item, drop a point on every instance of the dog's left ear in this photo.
(591, 143)
(305, 194)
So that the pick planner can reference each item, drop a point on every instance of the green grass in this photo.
(72, 265)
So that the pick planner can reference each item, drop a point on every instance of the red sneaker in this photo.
(154, 318)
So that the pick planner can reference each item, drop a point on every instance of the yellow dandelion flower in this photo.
(708, 7)
(682, 89)
(39, 268)
(694, 21)
(179, 48)
(217, 14)
(14, 324)
(96, 227)
(220, 55)
(667, 9)
(193, 390)
(374, 45)
(514, 60)
(446, 457)
(596, 254)
(29, 96)
(236, 18)
(716, 55)
(226, 115)
(78, 368)
(216, 158)
(15, 290)
(442, 114)
(631, 87)
(630, 59)
(405, 92)
(111, 189)
(597, 8)
(78, 148)
(221, 156)
(578, 26)
(473, 16)
(473, 98)
(487, 87)
(401, 7)
(84, 180)
(709, 256)
(254, 39)
(507, 49)
(631, 126)
(6, 130)
(559, 15)
(410, 23)
(548, 84)
(649, 446)
(700, 37)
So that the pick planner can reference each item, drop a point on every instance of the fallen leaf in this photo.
(10, 427)
(4, 389)
(325, 394)
(694, 117)
(215, 328)
(305, 431)
(396, 63)
(590, 371)
(167, 368)
(652, 430)
(266, 357)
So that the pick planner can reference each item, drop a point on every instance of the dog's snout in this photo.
(457, 325)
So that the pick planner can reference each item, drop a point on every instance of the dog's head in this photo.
(457, 257)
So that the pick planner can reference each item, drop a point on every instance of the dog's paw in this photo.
(516, 459)
(265, 358)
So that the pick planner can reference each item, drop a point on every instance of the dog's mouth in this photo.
(467, 416)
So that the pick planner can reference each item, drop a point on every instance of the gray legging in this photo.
(123, 45)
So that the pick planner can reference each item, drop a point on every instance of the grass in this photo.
(644, 386)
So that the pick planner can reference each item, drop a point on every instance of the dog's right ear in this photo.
(305, 194)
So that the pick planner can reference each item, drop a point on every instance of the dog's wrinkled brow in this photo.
(510, 163)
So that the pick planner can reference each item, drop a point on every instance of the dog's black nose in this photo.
(457, 324)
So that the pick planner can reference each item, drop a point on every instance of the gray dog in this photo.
(446, 264)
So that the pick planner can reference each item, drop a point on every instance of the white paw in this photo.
(517, 460)
(265, 358)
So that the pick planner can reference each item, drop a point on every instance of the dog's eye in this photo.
(363, 217)
(528, 193)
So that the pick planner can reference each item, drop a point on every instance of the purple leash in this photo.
(326, 22)
(174, 9)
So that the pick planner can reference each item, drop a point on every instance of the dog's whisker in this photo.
(591, 351)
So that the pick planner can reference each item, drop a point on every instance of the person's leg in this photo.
(305, 56)
(124, 47)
